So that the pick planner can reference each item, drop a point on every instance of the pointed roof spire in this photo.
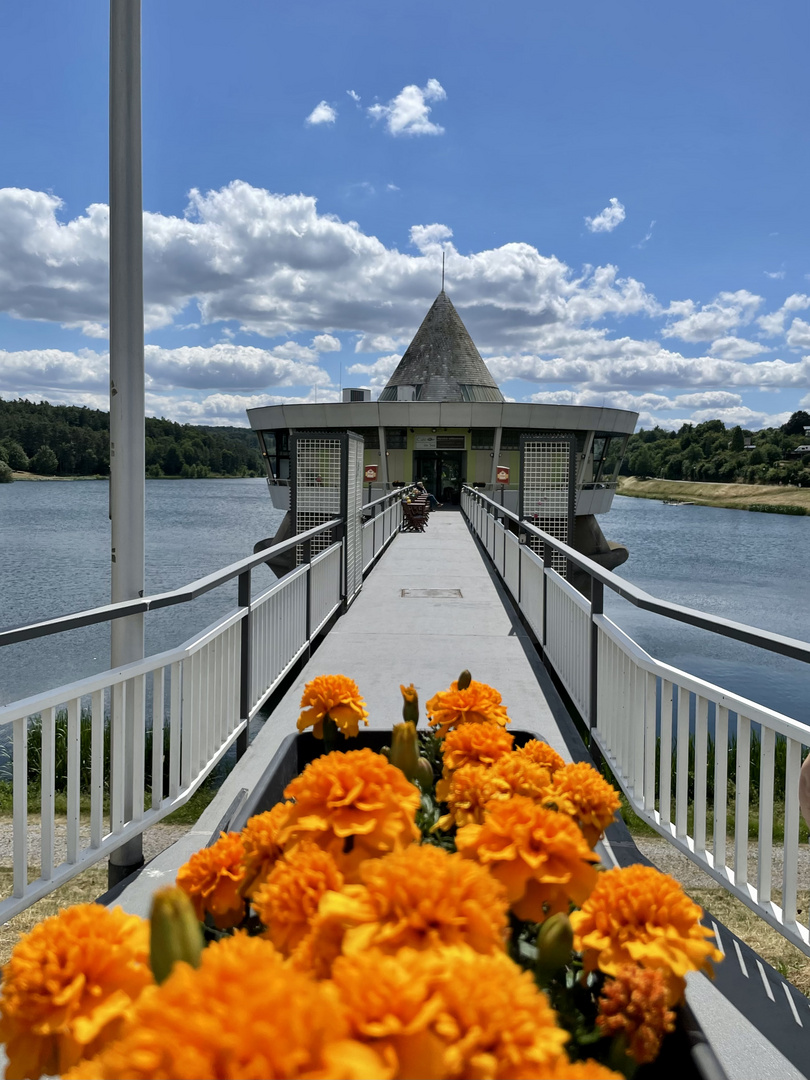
(441, 363)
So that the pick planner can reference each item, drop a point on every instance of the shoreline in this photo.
(37, 478)
(762, 498)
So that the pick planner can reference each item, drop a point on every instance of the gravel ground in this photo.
(155, 839)
(663, 855)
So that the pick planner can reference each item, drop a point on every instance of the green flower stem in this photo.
(330, 734)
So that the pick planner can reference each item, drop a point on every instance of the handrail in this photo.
(160, 600)
(393, 494)
(765, 639)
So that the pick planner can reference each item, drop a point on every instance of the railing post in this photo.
(546, 565)
(308, 560)
(597, 608)
(243, 600)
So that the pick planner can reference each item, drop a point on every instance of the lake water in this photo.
(55, 559)
(749, 567)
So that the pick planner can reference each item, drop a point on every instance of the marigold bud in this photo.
(424, 775)
(404, 752)
(464, 680)
(175, 932)
(410, 704)
(555, 940)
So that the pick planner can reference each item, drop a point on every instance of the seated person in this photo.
(433, 502)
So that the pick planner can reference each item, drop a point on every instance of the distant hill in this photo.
(69, 440)
(712, 453)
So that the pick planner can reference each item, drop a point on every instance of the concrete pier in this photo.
(429, 609)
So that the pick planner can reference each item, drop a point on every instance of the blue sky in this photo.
(620, 191)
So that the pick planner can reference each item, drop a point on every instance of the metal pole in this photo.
(127, 465)
(245, 674)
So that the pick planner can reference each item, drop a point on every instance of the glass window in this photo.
(396, 438)
(371, 437)
(482, 438)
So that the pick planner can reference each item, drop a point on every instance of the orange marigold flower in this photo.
(474, 744)
(542, 754)
(212, 879)
(634, 1004)
(477, 704)
(289, 898)
(242, 1013)
(638, 915)
(494, 1021)
(337, 697)
(472, 787)
(68, 986)
(421, 897)
(354, 805)
(261, 847)
(540, 856)
(466, 793)
(391, 1003)
(579, 791)
(450, 1012)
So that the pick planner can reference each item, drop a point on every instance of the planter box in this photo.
(685, 1054)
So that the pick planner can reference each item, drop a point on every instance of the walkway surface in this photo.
(429, 609)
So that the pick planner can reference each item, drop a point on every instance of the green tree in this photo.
(737, 440)
(17, 457)
(44, 461)
(796, 424)
(6, 475)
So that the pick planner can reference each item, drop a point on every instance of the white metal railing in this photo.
(653, 723)
(194, 702)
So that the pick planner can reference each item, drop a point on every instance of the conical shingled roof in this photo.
(442, 363)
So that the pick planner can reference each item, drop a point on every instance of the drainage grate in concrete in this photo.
(422, 594)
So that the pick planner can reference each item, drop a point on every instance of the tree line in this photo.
(713, 453)
(71, 440)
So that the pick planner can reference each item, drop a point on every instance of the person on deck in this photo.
(433, 502)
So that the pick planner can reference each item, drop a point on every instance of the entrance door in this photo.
(441, 472)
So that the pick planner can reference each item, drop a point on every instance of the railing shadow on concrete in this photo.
(196, 700)
(652, 722)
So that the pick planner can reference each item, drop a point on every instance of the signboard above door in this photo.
(424, 442)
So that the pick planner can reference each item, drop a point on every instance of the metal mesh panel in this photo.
(354, 524)
(317, 488)
(547, 491)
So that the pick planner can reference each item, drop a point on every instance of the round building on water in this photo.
(442, 419)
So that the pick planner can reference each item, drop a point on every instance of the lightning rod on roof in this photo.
(442, 271)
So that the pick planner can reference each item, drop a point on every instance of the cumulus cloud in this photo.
(773, 323)
(798, 336)
(326, 343)
(409, 113)
(734, 348)
(378, 373)
(323, 113)
(607, 219)
(711, 321)
(353, 95)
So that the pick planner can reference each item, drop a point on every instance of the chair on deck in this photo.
(414, 516)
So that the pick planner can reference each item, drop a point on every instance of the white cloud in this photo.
(409, 113)
(622, 399)
(798, 336)
(714, 320)
(429, 237)
(608, 219)
(647, 237)
(323, 113)
(353, 95)
(378, 373)
(326, 343)
(773, 324)
(734, 348)
(391, 187)
(777, 275)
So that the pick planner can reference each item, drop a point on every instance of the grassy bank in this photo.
(763, 497)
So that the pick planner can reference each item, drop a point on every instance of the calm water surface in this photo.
(55, 535)
(749, 567)
(56, 559)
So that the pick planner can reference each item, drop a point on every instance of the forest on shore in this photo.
(72, 440)
(712, 453)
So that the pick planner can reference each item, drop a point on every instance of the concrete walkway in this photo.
(429, 609)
